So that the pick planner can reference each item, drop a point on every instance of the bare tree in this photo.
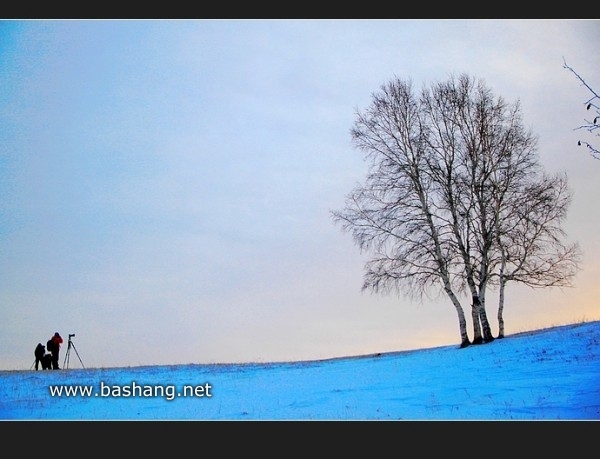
(400, 214)
(531, 243)
(591, 125)
(431, 207)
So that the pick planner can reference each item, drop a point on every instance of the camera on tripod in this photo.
(71, 345)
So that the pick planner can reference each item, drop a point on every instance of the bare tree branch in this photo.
(591, 125)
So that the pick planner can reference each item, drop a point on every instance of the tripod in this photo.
(68, 354)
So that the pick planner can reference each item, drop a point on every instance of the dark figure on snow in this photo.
(39, 352)
(43, 357)
(53, 346)
(47, 362)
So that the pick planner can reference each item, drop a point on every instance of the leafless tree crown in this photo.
(455, 200)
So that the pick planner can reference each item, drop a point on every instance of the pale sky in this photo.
(166, 185)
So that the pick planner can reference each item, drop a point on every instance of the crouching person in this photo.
(47, 362)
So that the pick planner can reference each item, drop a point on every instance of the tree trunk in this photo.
(476, 316)
(485, 324)
(462, 325)
(501, 308)
(462, 321)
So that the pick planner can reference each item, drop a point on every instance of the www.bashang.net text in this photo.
(168, 392)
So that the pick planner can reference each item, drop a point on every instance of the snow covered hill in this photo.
(550, 374)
